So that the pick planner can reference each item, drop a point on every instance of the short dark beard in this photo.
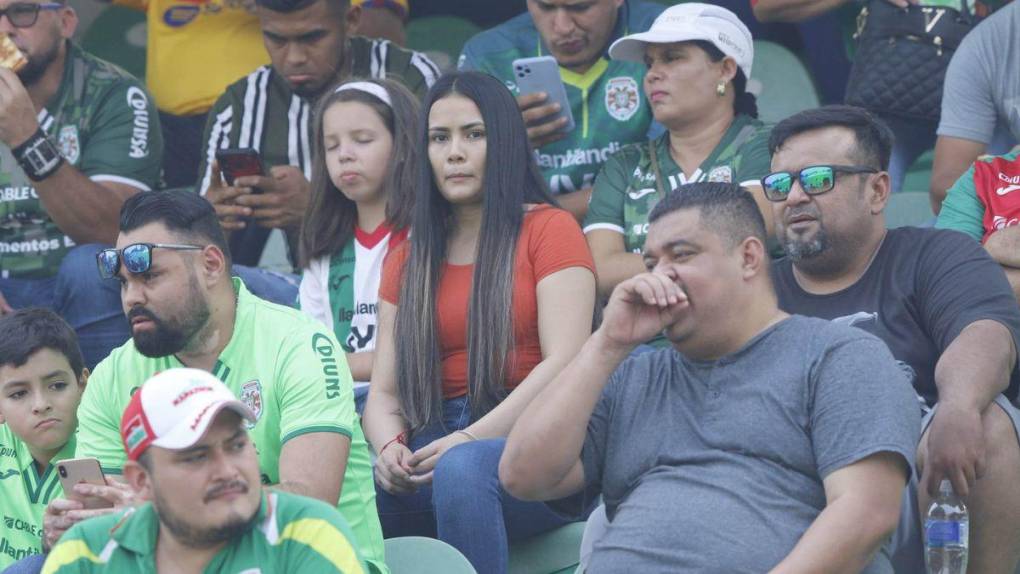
(192, 537)
(38, 65)
(169, 338)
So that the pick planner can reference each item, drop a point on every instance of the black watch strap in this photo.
(38, 157)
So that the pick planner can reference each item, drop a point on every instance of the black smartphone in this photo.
(239, 162)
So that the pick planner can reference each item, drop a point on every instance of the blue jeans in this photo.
(31, 565)
(279, 288)
(913, 138)
(465, 506)
(89, 304)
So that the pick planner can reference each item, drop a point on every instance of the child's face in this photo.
(39, 400)
(357, 149)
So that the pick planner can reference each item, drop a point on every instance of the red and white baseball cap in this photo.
(692, 21)
(173, 409)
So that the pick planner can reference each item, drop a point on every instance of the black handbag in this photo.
(902, 56)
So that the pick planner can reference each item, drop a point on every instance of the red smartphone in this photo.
(239, 162)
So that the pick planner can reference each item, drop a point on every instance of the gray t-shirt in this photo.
(718, 467)
(982, 86)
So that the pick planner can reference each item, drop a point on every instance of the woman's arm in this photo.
(382, 420)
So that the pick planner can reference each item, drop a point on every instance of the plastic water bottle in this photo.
(945, 533)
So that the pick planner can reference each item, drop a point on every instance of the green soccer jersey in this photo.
(608, 106)
(292, 373)
(291, 534)
(104, 124)
(24, 494)
(261, 111)
(625, 191)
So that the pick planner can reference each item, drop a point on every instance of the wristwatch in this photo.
(38, 156)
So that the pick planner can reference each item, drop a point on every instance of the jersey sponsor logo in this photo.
(1000, 222)
(577, 156)
(1009, 178)
(325, 350)
(177, 16)
(1006, 189)
(722, 173)
(23, 525)
(22, 193)
(11, 473)
(336, 282)
(15, 553)
(7, 451)
(33, 246)
(358, 341)
(139, 105)
(638, 194)
(70, 147)
(251, 396)
(622, 98)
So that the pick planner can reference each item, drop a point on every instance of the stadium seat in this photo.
(554, 552)
(418, 554)
(118, 35)
(908, 208)
(781, 82)
(441, 37)
(918, 177)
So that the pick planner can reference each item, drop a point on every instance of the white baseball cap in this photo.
(173, 410)
(692, 21)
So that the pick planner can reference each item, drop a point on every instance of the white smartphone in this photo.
(542, 74)
(75, 470)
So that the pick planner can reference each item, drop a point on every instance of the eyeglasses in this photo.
(814, 180)
(24, 14)
(137, 257)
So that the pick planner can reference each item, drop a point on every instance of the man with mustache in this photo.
(938, 300)
(605, 97)
(190, 455)
(186, 311)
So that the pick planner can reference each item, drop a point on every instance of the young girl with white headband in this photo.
(360, 208)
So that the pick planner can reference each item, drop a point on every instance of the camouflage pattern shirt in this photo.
(625, 190)
(104, 124)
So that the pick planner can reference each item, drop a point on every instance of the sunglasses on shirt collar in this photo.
(137, 257)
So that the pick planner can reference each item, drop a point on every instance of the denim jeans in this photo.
(89, 304)
(182, 148)
(912, 138)
(31, 565)
(465, 506)
(279, 288)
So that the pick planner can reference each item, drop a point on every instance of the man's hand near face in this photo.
(17, 114)
(640, 308)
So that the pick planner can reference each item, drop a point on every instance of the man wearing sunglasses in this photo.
(940, 303)
(185, 310)
(77, 137)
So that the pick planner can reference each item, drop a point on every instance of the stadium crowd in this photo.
(636, 305)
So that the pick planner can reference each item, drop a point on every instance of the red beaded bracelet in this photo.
(401, 438)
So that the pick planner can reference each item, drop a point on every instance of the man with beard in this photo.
(185, 311)
(270, 111)
(77, 137)
(937, 299)
(189, 453)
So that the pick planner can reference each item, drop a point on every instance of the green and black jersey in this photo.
(104, 124)
(262, 112)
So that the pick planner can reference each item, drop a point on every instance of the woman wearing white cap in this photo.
(699, 59)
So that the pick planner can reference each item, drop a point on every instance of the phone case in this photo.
(73, 471)
(239, 162)
(542, 74)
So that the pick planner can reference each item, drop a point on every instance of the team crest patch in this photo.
(622, 98)
(251, 395)
(70, 148)
(723, 174)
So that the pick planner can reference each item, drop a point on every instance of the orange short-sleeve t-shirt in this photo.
(550, 241)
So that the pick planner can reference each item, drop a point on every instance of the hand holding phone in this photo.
(543, 100)
(239, 162)
(77, 470)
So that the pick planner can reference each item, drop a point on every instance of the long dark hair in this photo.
(511, 180)
(745, 102)
(331, 217)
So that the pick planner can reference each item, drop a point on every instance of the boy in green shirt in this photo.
(42, 377)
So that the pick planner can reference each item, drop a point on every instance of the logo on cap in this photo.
(136, 434)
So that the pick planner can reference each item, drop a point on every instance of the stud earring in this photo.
(720, 88)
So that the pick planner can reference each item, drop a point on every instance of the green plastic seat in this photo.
(550, 553)
(908, 208)
(421, 555)
(918, 177)
(781, 82)
(441, 37)
(117, 35)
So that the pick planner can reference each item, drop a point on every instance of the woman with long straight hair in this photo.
(492, 295)
(360, 209)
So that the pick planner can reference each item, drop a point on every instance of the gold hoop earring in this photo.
(720, 88)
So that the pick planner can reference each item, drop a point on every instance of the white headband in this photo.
(367, 87)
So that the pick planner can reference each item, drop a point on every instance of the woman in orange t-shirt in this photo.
(492, 295)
